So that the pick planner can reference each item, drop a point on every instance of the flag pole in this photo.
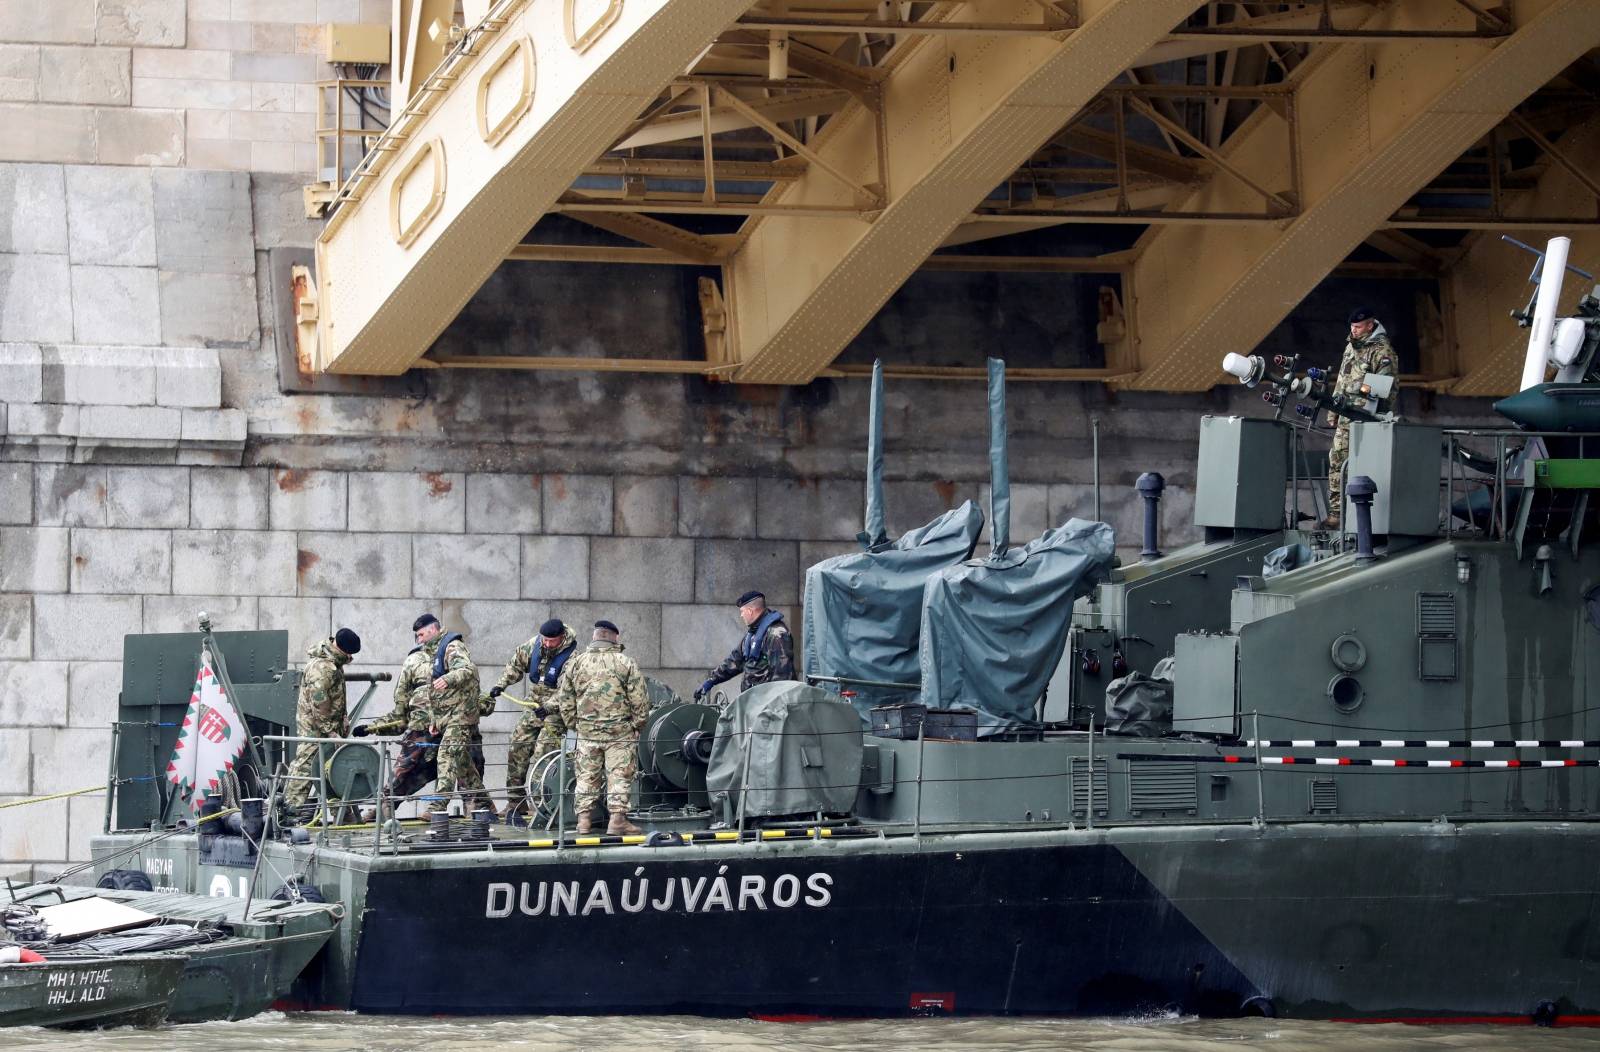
(219, 667)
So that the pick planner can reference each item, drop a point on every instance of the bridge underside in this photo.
(1223, 160)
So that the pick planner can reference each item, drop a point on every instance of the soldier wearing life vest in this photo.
(454, 708)
(764, 654)
(542, 660)
(417, 763)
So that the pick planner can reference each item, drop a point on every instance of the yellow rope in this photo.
(52, 796)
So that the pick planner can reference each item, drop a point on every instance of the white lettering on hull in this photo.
(706, 894)
(77, 988)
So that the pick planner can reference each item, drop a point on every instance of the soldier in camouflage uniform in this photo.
(602, 697)
(1368, 351)
(454, 707)
(542, 660)
(417, 764)
(765, 654)
(320, 708)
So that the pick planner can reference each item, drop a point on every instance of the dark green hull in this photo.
(100, 992)
(239, 978)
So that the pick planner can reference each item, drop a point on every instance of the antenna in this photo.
(1549, 270)
(999, 474)
(1544, 311)
(874, 534)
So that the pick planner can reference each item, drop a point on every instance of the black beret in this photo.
(1361, 314)
(425, 619)
(608, 626)
(552, 628)
(347, 641)
(750, 597)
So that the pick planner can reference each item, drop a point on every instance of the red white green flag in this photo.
(210, 741)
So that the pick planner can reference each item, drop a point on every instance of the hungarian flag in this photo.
(212, 738)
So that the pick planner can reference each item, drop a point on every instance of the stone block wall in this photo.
(213, 84)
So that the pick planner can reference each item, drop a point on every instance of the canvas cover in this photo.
(863, 612)
(1141, 705)
(804, 749)
(993, 630)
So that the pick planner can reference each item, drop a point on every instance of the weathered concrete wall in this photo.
(150, 466)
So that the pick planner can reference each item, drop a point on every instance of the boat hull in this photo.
(98, 992)
(1387, 921)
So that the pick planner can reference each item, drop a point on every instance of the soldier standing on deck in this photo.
(417, 764)
(542, 659)
(602, 697)
(453, 707)
(1368, 351)
(320, 709)
(765, 654)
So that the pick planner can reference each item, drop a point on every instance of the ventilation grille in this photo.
(1154, 785)
(1080, 786)
(1436, 635)
(1436, 614)
(1324, 796)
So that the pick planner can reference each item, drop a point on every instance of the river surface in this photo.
(338, 1032)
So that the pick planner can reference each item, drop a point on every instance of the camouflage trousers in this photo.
(459, 774)
(417, 764)
(1336, 461)
(614, 761)
(524, 740)
(302, 772)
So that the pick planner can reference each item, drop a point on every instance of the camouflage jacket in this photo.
(602, 691)
(456, 708)
(410, 712)
(774, 659)
(320, 708)
(1375, 354)
(531, 658)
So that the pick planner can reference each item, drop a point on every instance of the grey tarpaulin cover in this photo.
(805, 751)
(1280, 561)
(1141, 705)
(863, 611)
(993, 629)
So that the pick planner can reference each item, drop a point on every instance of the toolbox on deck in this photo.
(904, 721)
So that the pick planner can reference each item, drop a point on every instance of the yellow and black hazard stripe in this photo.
(707, 837)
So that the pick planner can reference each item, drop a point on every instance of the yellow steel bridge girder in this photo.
(1377, 121)
(1492, 275)
(961, 114)
(447, 203)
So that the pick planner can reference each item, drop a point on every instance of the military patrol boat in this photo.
(1348, 776)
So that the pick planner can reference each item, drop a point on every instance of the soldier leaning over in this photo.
(542, 659)
(602, 697)
(453, 707)
(320, 708)
(1368, 351)
(417, 764)
(764, 654)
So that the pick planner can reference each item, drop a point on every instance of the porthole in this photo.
(1346, 693)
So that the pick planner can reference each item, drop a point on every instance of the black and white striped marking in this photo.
(1354, 761)
(1421, 743)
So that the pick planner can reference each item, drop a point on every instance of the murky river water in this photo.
(334, 1032)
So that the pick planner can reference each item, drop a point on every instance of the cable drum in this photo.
(676, 744)
(353, 772)
(545, 791)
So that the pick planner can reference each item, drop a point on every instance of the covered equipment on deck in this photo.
(788, 749)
